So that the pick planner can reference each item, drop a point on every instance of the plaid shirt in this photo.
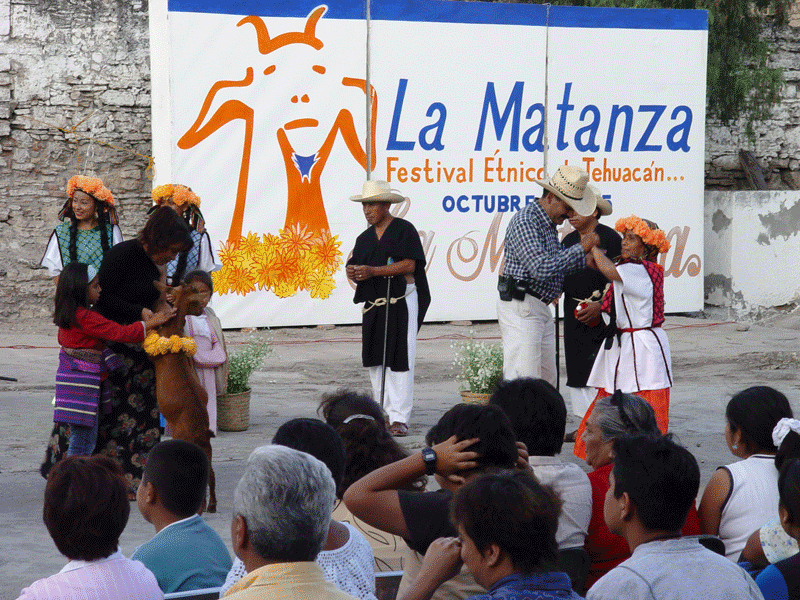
(534, 254)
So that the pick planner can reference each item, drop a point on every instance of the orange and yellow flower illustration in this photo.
(294, 260)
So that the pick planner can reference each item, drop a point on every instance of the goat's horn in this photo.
(261, 31)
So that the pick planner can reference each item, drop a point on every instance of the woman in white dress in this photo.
(88, 226)
(635, 360)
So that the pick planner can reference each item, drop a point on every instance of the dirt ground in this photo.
(712, 359)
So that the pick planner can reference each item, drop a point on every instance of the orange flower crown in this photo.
(180, 194)
(92, 186)
(650, 237)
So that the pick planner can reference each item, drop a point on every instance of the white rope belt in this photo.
(381, 301)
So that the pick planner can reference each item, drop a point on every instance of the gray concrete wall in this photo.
(85, 65)
(752, 248)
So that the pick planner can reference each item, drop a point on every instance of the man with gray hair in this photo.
(281, 512)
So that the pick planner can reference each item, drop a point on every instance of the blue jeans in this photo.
(82, 440)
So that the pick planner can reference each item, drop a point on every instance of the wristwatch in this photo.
(429, 456)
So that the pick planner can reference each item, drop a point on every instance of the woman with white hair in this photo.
(281, 513)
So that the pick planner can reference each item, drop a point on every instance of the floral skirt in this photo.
(128, 425)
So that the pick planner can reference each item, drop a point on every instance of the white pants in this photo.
(398, 396)
(529, 339)
(582, 399)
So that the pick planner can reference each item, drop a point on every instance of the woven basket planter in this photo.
(233, 411)
(475, 398)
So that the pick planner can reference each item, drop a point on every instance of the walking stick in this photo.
(386, 333)
(558, 348)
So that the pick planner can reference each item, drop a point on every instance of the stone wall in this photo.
(83, 66)
(777, 141)
(73, 64)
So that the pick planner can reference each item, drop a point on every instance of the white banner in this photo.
(266, 115)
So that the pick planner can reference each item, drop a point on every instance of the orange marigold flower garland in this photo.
(650, 237)
(294, 260)
(180, 194)
(92, 186)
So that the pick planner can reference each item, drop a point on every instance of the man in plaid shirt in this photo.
(535, 264)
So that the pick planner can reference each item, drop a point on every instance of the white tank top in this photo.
(752, 502)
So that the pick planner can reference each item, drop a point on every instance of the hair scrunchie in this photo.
(784, 426)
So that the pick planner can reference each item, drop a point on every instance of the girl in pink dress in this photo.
(211, 358)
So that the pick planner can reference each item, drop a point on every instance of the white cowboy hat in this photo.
(603, 204)
(568, 183)
(377, 191)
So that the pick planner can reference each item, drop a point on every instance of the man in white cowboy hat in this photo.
(584, 330)
(388, 259)
(535, 264)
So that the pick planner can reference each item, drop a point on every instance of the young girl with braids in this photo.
(636, 358)
(84, 360)
(91, 228)
(186, 203)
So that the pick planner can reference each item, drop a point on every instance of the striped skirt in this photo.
(79, 387)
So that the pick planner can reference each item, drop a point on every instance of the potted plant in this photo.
(480, 368)
(233, 409)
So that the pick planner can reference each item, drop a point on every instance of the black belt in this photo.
(511, 288)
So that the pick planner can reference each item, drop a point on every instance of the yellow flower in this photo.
(295, 240)
(326, 251)
(320, 285)
(284, 289)
(242, 281)
(229, 253)
(250, 245)
(220, 279)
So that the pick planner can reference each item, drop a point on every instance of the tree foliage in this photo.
(740, 82)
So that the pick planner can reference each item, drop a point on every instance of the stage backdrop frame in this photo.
(260, 107)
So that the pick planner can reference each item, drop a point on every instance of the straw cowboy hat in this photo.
(377, 191)
(568, 183)
(603, 204)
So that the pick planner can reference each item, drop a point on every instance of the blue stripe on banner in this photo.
(455, 11)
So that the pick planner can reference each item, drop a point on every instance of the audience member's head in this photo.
(316, 438)
(174, 480)
(786, 436)
(654, 481)
(86, 506)
(496, 445)
(789, 494)
(510, 512)
(282, 506)
(612, 417)
(537, 413)
(752, 415)
(367, 442)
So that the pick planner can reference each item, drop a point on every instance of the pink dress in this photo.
(210, 354)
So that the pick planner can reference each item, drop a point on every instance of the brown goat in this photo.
(181, 398)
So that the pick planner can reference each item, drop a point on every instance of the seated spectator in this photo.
(86, 508)
(771, 543)
(185, 554)
(506, 526)
(281, 515)
(652, 486)
(468, 440)
(346, 558)
(742, 497)
(613, 416)
(539, 417)
(360, 422)
(781, 581)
